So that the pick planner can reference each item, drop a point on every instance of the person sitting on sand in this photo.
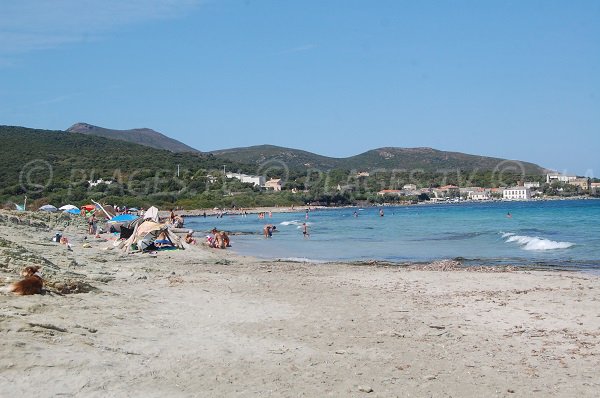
(268, 230)
(210, 241)
(189, 239)
(221, 239)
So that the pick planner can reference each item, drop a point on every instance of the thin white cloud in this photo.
(29, 25)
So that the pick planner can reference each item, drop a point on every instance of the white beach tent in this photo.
(48, 208)
(145, 233)
(151, 214)
(68, 207)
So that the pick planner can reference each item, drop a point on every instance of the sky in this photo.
(511, 79)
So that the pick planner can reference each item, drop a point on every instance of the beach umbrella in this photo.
(73, 211)
(67, 207)
(49, 208)
(123, 218)
(88, 207)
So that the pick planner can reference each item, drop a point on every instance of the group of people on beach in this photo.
(218, 239)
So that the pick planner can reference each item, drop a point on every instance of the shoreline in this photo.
(208, 322)
(289, 209)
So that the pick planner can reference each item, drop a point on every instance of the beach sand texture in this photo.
(207, 323)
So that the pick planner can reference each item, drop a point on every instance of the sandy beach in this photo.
(207, 323)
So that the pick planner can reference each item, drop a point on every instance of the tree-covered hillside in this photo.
(422, 159)
(55, 166)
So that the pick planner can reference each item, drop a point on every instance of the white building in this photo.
(410, 187)
(532, 184)
(98, 182)
(550, 178)
(516, 193)
(254, 180)
(479, 195)
(274, 184)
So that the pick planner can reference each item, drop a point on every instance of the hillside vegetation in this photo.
(424, 159)
(54, 166)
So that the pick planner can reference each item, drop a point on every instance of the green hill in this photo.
(141, 136)
(293, 158)
(57, 165)
(427, 159)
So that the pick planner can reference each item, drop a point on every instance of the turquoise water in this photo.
(559, 234)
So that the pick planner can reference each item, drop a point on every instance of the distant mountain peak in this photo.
(142, 136)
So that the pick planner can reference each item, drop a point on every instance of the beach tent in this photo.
(88, 207)
(67, 207)
(145, 233)
(108, 210)
(151, 214)
(75, 211)
(48, 208)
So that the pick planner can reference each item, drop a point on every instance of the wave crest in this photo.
(535, 243)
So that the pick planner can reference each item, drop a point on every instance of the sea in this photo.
(554, 234)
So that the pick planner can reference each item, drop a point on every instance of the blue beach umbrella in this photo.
(123, 218)
(73, 211)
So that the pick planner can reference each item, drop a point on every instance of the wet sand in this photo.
(203, 322)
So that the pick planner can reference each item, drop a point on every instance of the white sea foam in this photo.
(294, 222)
(535, 243)
(303, 260)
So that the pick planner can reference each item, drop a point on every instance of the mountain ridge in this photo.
(425, 158)
(141, 136)
(388, 158)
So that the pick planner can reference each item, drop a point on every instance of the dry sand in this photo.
(207, 323)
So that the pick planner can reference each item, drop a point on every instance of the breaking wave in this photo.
(535, 243)
(295, 222)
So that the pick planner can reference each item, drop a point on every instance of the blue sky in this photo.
(513, 79)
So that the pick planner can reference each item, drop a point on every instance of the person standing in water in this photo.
(380, 212)
(268, 230)
(305, 231)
